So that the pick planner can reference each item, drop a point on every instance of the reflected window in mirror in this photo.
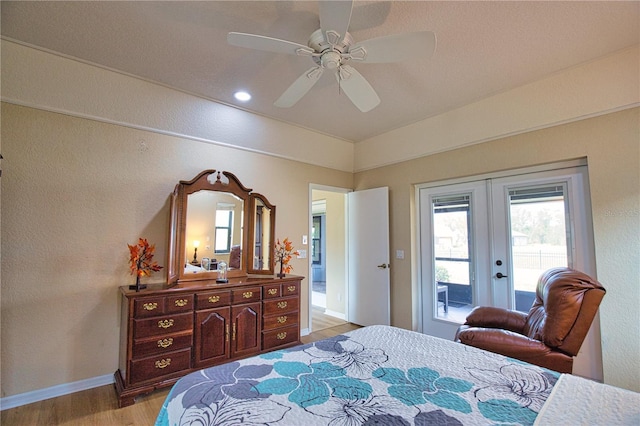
(224, 222)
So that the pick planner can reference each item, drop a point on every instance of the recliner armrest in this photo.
(491, 317)
(516, 346)
(502, 341)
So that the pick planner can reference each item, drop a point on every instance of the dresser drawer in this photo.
(213, 299)
(148, 307)
(177, 304)
(282, 336)
(165, 325)
(271, 291)
(278, 306)
(160, 365)
(162, 344)
(246, 295)
(291, 289)
(154, 306)
(276, 321)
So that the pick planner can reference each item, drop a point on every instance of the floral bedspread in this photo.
(374, 375)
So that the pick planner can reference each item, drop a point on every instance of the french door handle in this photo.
(500, 275)
(384, 266)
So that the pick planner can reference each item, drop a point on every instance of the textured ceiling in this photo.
(483, 48)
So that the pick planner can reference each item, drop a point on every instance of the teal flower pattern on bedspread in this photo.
(348, 381)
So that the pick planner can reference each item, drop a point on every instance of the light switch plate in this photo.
(304, 239)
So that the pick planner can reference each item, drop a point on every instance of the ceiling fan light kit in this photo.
(331, 47)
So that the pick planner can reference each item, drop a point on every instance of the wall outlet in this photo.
(302, 254)
(399, 254)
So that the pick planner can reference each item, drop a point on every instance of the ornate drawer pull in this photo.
(281, 336)
(291, 288)
(282, 305)
(182, 302)
(163, 363)
(247, 294)
(282, 320)
(150, 306)
(165, 323)
(273, 291)
(165, 343)
(214, 299)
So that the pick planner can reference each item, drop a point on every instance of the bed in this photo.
(389, 376)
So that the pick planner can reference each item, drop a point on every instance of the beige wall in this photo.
(611, 144)
(75, 192)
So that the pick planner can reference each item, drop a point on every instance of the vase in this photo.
(137, 286)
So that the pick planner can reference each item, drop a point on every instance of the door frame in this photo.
(465, 180)
(338, 190)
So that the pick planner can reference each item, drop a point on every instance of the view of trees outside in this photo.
(538, 242)
(452, 242)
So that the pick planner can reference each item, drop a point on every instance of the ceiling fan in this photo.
(331, 47)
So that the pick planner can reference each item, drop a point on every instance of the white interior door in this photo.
(369, 278)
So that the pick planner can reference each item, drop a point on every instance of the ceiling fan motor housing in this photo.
(331, 50)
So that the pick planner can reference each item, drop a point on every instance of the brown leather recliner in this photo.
(551, 334)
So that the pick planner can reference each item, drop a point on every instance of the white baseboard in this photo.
(54, 391)
(304, 332)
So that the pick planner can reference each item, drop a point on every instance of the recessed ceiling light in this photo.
(242, 96)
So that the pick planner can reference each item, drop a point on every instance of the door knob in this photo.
(384, 266)
(499, 275)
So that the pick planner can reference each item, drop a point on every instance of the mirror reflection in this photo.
(215, 220)
(213, 231)
(261, 251)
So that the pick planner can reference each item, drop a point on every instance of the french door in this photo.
(486, 242)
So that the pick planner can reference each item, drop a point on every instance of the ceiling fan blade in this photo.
(268, 44)
(299, 88)
(335, 16)
(395, 48)
(357, 88)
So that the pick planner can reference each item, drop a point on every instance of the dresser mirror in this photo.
(215, 219)
(261, 235)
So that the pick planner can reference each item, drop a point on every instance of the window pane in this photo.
(224, 220)
(538, 238)
(451, 233)
(222, 240)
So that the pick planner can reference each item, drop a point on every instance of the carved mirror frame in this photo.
(179, 207)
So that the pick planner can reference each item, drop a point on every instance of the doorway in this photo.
(328, 259)
(485, 242)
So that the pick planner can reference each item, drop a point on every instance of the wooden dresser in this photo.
(167, 332)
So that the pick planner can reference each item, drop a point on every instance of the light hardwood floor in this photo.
(99, 406)
(320, 321)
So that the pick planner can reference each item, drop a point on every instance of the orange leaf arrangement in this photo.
(283, 253)
(141, 261)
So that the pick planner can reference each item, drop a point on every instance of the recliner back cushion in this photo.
(559, 296)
